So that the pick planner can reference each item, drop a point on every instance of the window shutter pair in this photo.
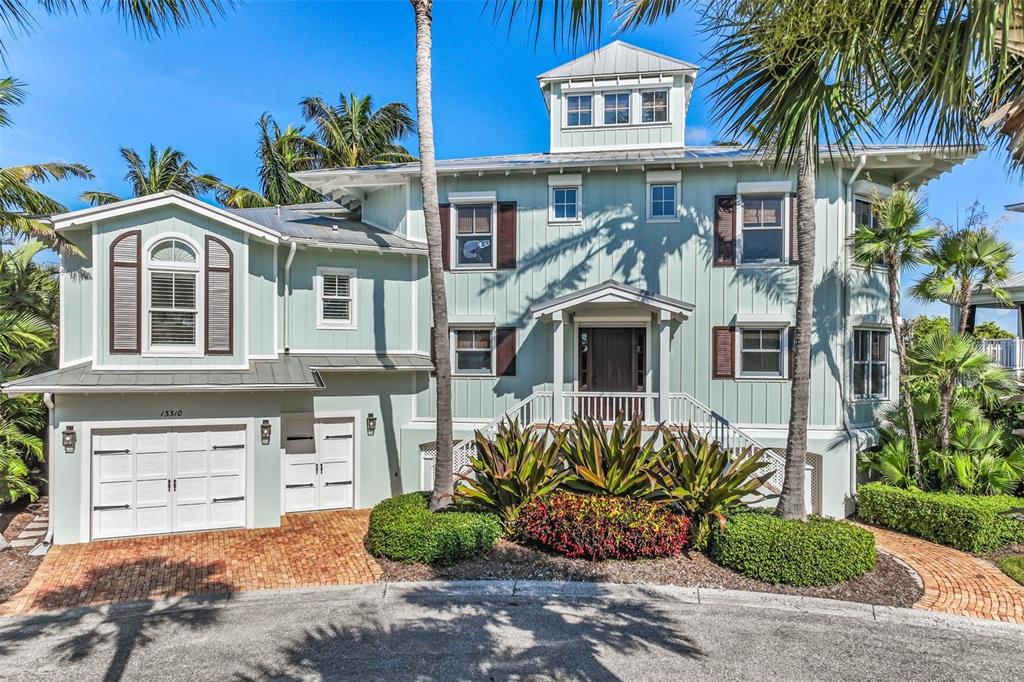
(723, 352)
(504, 235)
(126, 295)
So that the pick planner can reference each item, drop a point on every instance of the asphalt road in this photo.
(505, 631)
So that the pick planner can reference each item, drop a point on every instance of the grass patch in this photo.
(1012, 566)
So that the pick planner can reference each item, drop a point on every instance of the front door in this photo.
(612, 360)
(319, 458)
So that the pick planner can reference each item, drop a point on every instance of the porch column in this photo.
(1020, 320)
(558, 380)
(664, 363)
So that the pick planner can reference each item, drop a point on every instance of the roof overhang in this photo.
(612, 293)
(1016, 207)
(87, 216)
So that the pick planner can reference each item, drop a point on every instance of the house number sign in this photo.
(170, 413)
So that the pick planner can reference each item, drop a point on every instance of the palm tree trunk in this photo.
(901, 354)
(965, 304)
(443, 474)
(945, 401)
(791, 500)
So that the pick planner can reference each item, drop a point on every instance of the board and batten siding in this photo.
(76, 291)
(615, 242)
(153, 224)
(385, 208)
(262, 298)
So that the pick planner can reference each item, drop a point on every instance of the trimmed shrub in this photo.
(404, 529)
(603, 527)
(818, 551)
(970, 523)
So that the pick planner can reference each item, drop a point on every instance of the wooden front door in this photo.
(612, 360)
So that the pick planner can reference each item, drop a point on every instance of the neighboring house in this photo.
(222, 368)
(1007, 352)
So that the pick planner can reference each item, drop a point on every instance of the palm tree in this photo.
(23, 208)
(353, 134)
(950, 359)
(896, 241)
(163, 171)
(443, 474)
(963, 262)
(281, 153)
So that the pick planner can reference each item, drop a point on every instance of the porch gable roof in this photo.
(612, 292)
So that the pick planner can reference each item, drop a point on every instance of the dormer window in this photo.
(654, 106)
(616, 108)
(579, 110)
(173, 312)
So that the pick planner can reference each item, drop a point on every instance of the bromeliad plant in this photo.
(706, 481)
(610, 461)
(511, 469)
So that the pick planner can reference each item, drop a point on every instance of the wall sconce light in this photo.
(265, 432)
(69, 439)
(371, 424)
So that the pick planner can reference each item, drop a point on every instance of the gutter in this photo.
(846, 317)
(43, 547)
(288, 288)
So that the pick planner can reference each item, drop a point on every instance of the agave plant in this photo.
(610, 461)
(706, 481)
(511, 469)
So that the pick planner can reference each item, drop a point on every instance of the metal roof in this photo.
(315, 225)
(617, 59)
(288, 372)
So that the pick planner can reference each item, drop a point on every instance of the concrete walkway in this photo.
(506, 630)
(955, 582)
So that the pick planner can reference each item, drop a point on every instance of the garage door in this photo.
(166, 480)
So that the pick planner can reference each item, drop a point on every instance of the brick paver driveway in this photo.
(319, 548)
(955, 582)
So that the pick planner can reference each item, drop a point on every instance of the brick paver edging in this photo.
(954, 581)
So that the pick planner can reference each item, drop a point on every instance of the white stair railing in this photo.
(535, 409)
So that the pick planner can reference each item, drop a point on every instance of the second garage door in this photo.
(148, 481)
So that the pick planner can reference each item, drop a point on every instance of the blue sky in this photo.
(94, 87)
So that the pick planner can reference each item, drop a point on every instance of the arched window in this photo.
(173, 302)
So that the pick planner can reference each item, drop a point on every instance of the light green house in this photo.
(223, 368)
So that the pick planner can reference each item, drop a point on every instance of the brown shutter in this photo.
(723, 352)
(794, 252)
(220, 298)
(506, 235)
(791, 344)
(725, 231)
(126, 293)
(446, 236)
(505, 350)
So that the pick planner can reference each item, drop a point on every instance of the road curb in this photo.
(509, 591)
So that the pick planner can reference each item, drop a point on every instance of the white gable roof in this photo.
(617, 58)
(612, 292)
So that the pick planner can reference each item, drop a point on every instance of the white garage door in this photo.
(165, 480)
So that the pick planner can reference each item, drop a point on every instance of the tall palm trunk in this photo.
(892, 269)
(443, 474)
(946, 391)
(791, 499)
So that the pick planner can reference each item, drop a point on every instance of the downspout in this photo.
(846, 316)
(288, 290)
(44, 546)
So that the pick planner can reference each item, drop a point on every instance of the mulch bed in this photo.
(890, 584)
(16, 566)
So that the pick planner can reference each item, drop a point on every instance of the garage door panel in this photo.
(114, 467)
(114, 522)
(227, 513)
(193, 463)
(110, 493)
(191, 517)
(112, 441)
(149, 441)
(152, 520)
(191, 440)
(150, 493)
(191, 490)
(151, 465)
(226, 461)
(232, 438)
(225, 486)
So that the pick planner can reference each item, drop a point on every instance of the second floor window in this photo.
(870, 363)
(337, 298)
(474, 236)
(616, 108)
(863, 213)
(762, 352)
(473, 350)
(173, 311)
(662, 201)
(565, 204)
(579, 110)
(763, 229)
(654, 106)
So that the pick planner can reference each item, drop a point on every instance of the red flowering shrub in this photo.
(603, 527)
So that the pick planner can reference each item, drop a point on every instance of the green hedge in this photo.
(971, 523)
(816, 552)
(404, 529)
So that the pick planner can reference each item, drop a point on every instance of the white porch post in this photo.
(664, 363)
(558, 380)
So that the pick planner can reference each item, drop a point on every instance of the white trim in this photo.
(471, 321)
(477, 197)
(197, 349)
(578, 188)
(277, 305)
(565, 179)
(784, 368)
(762, 321)
(213, 388)
(889, 366)
(358, 351)
(171, 368)
(66, 221)
(667, 89)
(414, 279)
(649, 199)
(766, 187)
(353, 284)
(454, 239)
(787, 205)
(610, 292)
(868, 190)
(454, 351)
(610, 323)
(673, 144)
(564, 106)
(96, 351)
(357, 431)
(664, 177)
(245, 295)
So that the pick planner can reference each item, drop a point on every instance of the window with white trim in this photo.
(474, 235)
(616, 108)
(473, 351)
(762, 352)
(870, 363)
(336, 301)
(662, 201)
(763, 231)
(566, 204)
(579, 110)
(863, 213)
(654, 106)
(173, 306)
